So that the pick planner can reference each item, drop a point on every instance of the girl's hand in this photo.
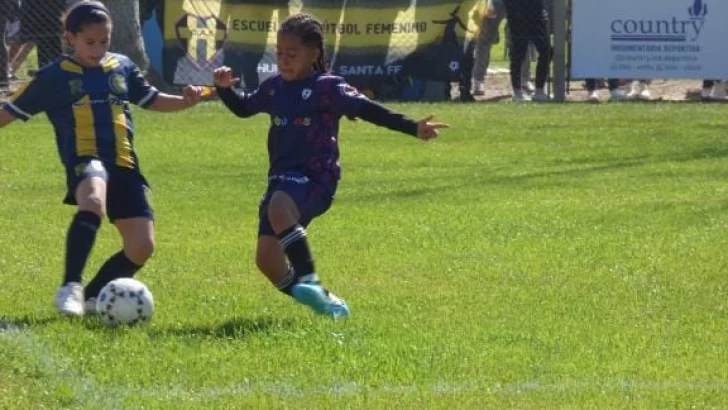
(427, 130)
(193, 94)
(223, 77)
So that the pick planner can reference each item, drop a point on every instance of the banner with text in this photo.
(369, 42)
(650, 39)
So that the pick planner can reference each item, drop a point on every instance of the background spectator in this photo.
(640, 90)
(528, 22)
(488, 35)
(8, 14)
(713, 90)
(40, 23)
(615, 93)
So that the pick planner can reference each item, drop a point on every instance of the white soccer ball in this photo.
(124, 301)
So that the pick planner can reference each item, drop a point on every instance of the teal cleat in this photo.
(320, 300)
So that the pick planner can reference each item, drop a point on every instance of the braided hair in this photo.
(311, 32)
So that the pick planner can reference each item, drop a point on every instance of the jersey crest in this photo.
(117, 83)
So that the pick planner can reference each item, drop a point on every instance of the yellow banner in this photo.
(368, 39)
(256, 25)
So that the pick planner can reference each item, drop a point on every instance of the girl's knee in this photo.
(139, 251)
(92, 203)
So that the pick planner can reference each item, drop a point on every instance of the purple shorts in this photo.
(311, 198)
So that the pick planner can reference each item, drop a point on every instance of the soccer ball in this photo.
(124, 301)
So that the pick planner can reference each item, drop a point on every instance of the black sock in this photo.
(117, 266)
(79, 242)
(295, 245)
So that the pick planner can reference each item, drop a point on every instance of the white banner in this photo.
(644, 39)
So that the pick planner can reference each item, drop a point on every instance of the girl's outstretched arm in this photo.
(348, 101)
(241, 104)
(380, 115)
(191, 95)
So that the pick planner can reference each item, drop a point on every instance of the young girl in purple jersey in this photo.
(305, 104)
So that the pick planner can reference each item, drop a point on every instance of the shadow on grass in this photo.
(237, 328)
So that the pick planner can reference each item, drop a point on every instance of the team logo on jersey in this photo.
(306, 93)
(76, 86)
(117, 83)
(202, 37)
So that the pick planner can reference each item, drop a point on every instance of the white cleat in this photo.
(593, 96)
(69, 299)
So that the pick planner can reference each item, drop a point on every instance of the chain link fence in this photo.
(32, 36)
(512, 47)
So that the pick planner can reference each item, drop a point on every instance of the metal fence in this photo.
(32, 36)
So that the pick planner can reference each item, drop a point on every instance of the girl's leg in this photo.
(284, 217)
(130, 211)
(300, 280)
(90, 196)
(138, 240)
(271, 260)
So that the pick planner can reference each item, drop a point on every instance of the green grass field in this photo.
(534, 257)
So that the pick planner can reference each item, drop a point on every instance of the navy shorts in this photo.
(127, 191)
(311, 198)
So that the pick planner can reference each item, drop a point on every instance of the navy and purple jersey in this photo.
(304, 121)
(88, 107)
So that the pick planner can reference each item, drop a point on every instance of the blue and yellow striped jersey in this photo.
(88, 107)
